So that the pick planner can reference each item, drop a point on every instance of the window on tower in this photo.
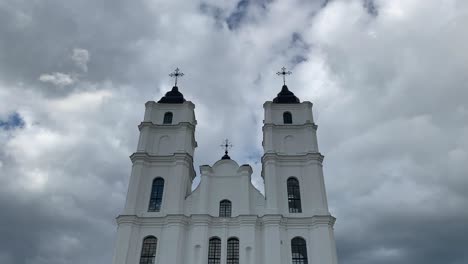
(148, 250)
(167, 118)
(157, 190)
(225, 208)
(287, 118)
(294, 196)
(298, 251)
(232, 256)
(214, 251)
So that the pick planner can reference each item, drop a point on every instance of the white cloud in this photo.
(58, 79)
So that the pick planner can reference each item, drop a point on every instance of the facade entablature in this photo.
(241, 220)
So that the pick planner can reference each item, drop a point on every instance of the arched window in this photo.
(298, 251)
(156, 195)
(167, 118)
(148, 250)
(232, 256)
(294, 196)
(225, 208)
(287, 118)
(214, 251)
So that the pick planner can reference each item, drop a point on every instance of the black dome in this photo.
(172, 97)
(286, 97)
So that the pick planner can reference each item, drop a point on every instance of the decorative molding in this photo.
(176, 158)
(167, 126)
(150, 158)
(302, 105)
(309, 156)
(290, 126)
(241, 220)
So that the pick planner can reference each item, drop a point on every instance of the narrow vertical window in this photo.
(225, 208)
(167, 118)
(287, 118)
(148, 250)
(156, 195)
(232, 256)
(214, 251)
(294, 196)
(298, 251)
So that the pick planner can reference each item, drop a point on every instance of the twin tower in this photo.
(226, 220)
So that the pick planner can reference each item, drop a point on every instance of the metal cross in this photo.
(226, 145)
(284, 73)
(176, 74)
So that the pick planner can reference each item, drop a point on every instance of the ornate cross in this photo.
(176, 74)
(284, 73)
(226, 146)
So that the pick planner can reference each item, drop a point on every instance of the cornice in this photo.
(314, 221)
(290, 126)
(310, 156)
(303, 104)
(169, 106)
(162, 126)
(146, 157)
(178, 158)
(241, 220)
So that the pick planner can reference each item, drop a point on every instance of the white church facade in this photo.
(226, 220)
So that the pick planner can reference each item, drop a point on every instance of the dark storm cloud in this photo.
(386, 78)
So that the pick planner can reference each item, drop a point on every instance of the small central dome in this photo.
(173, 97)
(286, 97)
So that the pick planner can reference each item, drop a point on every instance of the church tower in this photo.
(225, 219)
(161, 178)
(292, 172)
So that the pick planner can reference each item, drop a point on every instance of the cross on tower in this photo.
(176, 75)
(226, 145)
(284, 73)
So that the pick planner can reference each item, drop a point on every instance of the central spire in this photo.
(226, 145)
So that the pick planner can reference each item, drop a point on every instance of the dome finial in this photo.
(226, 145)
(284, 73)
(173, 96)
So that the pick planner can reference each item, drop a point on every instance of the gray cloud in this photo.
(81, 58)
(387, 79)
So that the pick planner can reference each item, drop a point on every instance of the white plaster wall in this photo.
(184, 239)
(225, 180)
(184, 112)
(301, 113)
(311, 187)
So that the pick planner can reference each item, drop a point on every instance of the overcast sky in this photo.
(388, 79)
